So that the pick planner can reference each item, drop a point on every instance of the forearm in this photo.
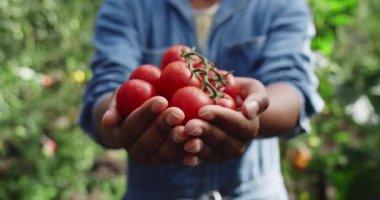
(283, 112)
(108, 136)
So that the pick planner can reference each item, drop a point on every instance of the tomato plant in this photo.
(186, 78)
(132, 94)
(147, 72)
(230, 87)
(175, 76)
(190, 99)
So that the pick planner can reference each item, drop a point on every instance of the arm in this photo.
(149, 134)
(279, 105)
(117, 54)
(287, 60)
(290, 91)
(223, 134)
(282, 115)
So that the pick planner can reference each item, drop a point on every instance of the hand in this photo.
(151, 134)
(223, 133)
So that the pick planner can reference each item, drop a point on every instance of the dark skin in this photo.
(152, 134)
(198, 4)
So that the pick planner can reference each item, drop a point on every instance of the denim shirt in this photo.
(267, 40)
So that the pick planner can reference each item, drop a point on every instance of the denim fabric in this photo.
(267, 40)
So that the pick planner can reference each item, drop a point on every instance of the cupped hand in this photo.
(222, 133)
(151, 134)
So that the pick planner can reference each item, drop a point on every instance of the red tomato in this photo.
(132, 94)
(225, 101)
(199, 65)
(176, 75)
(190, 99)
(174, 53)
(149, 73)
(232, 88)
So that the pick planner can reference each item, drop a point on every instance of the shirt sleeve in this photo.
(288, 58)
(117, 53)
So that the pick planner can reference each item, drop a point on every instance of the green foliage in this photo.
(344, 162)
(328, 16)
(44, 51)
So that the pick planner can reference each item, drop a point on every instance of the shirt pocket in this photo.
(243, 55)
(153, 56)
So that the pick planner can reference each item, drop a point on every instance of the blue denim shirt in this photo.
(267, 40)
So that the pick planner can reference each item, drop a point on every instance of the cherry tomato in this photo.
(149, 73)
(232, 88)
(199, 65)
(225, 101)
(132, 94)
(190, 99)
(174, 53)
(176, 75)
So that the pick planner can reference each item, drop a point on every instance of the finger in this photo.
(197, 147)
(254, 95)
(171, 151)
(138, 121)
(254, 104)
(233, 122)
(149, 143)
(194, 145)
(111, 117)
(178, 135)
(214, 137)
(210, 155)
(191, 160)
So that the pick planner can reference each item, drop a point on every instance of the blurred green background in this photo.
(45, 47)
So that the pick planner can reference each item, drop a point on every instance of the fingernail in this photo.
(194, 148)
(178, 138)
(206, 114)
(196, 132)
(252, 109)
(191, 161)
(172, 119)
(156, 107)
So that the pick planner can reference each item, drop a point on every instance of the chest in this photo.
(234, 42)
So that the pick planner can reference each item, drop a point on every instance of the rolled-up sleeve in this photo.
(288, 58)
(117, 53)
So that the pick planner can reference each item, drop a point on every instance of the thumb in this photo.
(111, 117)
(255, 97)
(255, 104)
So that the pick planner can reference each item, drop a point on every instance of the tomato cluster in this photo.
(186, 78)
